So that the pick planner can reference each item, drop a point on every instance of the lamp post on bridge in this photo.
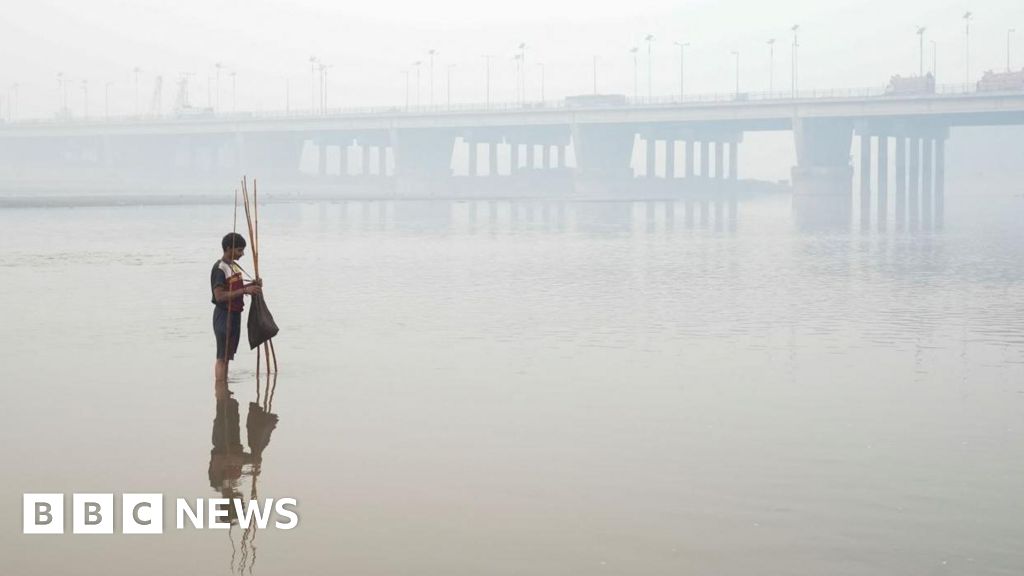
(1009, 33)
(313, 61)
(406, 74)
(967, 49)
(487, 78)
(431, 53)
(448, 82)
(541, 66)
(136, 71)
(636, 94)
(771, 66)
(650, 59)
(418, 64)
(736, 53)
(793, 77)
(682, 60)
(85, 98)
(106, 99)
(920, 50)
(216, 100)
(935, 61)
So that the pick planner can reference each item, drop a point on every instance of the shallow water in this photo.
(532, 388)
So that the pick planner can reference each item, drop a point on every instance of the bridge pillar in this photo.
(705, 159)
(473, 168)
(603, 151)
(690, 167)
(365, 148)
(543, 157)
(343, 159)
(719, 159)
(865, 179)
(382, 161)
(513, 164)
(531, 156)
(321, 158)
(883, 181)
(940, 182)
(423, 152)
(670, 159)
(823, 176)
(926, 181)
(734, 160)
(913, 207)
(901, 181)
(492, 158)
(652, 145)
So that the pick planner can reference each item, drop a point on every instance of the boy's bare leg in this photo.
(220, 382)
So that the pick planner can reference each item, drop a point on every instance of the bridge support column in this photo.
(940, 182)
(734, 160)
(913, 207)
(365, 149)
(531, 156)
(492, 158)
(823, 176)
(322, 159)
(883, 182)
(473, 168)
(603, 151)
(865, 180)
(690, 167)
(670, 160)
(343, 159)
(513, 160)
(705, 159)
(926, 181)
(382, 161)
(901, 181)
(543, 160)
(719, 159)
(652, 146)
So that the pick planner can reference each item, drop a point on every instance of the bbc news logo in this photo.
(144, 513)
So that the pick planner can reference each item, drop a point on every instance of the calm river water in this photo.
(529, 388)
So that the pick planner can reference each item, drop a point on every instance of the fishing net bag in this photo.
(261, 325)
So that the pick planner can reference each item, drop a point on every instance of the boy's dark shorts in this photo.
(220, 330)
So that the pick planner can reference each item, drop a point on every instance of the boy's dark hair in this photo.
(232, 239)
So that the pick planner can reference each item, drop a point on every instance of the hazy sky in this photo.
(844, 44)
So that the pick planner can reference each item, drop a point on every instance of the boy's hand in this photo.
(252, 289)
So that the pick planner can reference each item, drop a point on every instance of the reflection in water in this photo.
(230, 463)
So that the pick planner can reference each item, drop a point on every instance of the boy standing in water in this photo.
(227, 288)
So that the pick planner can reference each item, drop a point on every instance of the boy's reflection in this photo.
(228, 458)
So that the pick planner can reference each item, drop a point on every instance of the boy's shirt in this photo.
(229, 276)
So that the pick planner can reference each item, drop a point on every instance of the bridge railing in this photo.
(780, 96)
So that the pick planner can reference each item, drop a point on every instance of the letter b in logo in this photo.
(93, 513)
(43, 513)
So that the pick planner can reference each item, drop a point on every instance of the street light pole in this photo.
(234, 92)
(216, 99)
(595, 75)
(136, 71)
(85, 98)
(431, 53)
(920, 50)
(1008, 34)
(771, 66)
(487, 78)
(448, 88)
(935, 61)
(682, 60)
(106, 99)
(795, 28)
(312, 83)
(541, 66)
(967, 48)
(650, 90)
(406, 74)
(522, 71)
(418, 64)
(737, 55)
(636, 94)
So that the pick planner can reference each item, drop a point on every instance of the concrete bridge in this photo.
(405, 152)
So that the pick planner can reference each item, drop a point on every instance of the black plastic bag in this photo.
(261, 322)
